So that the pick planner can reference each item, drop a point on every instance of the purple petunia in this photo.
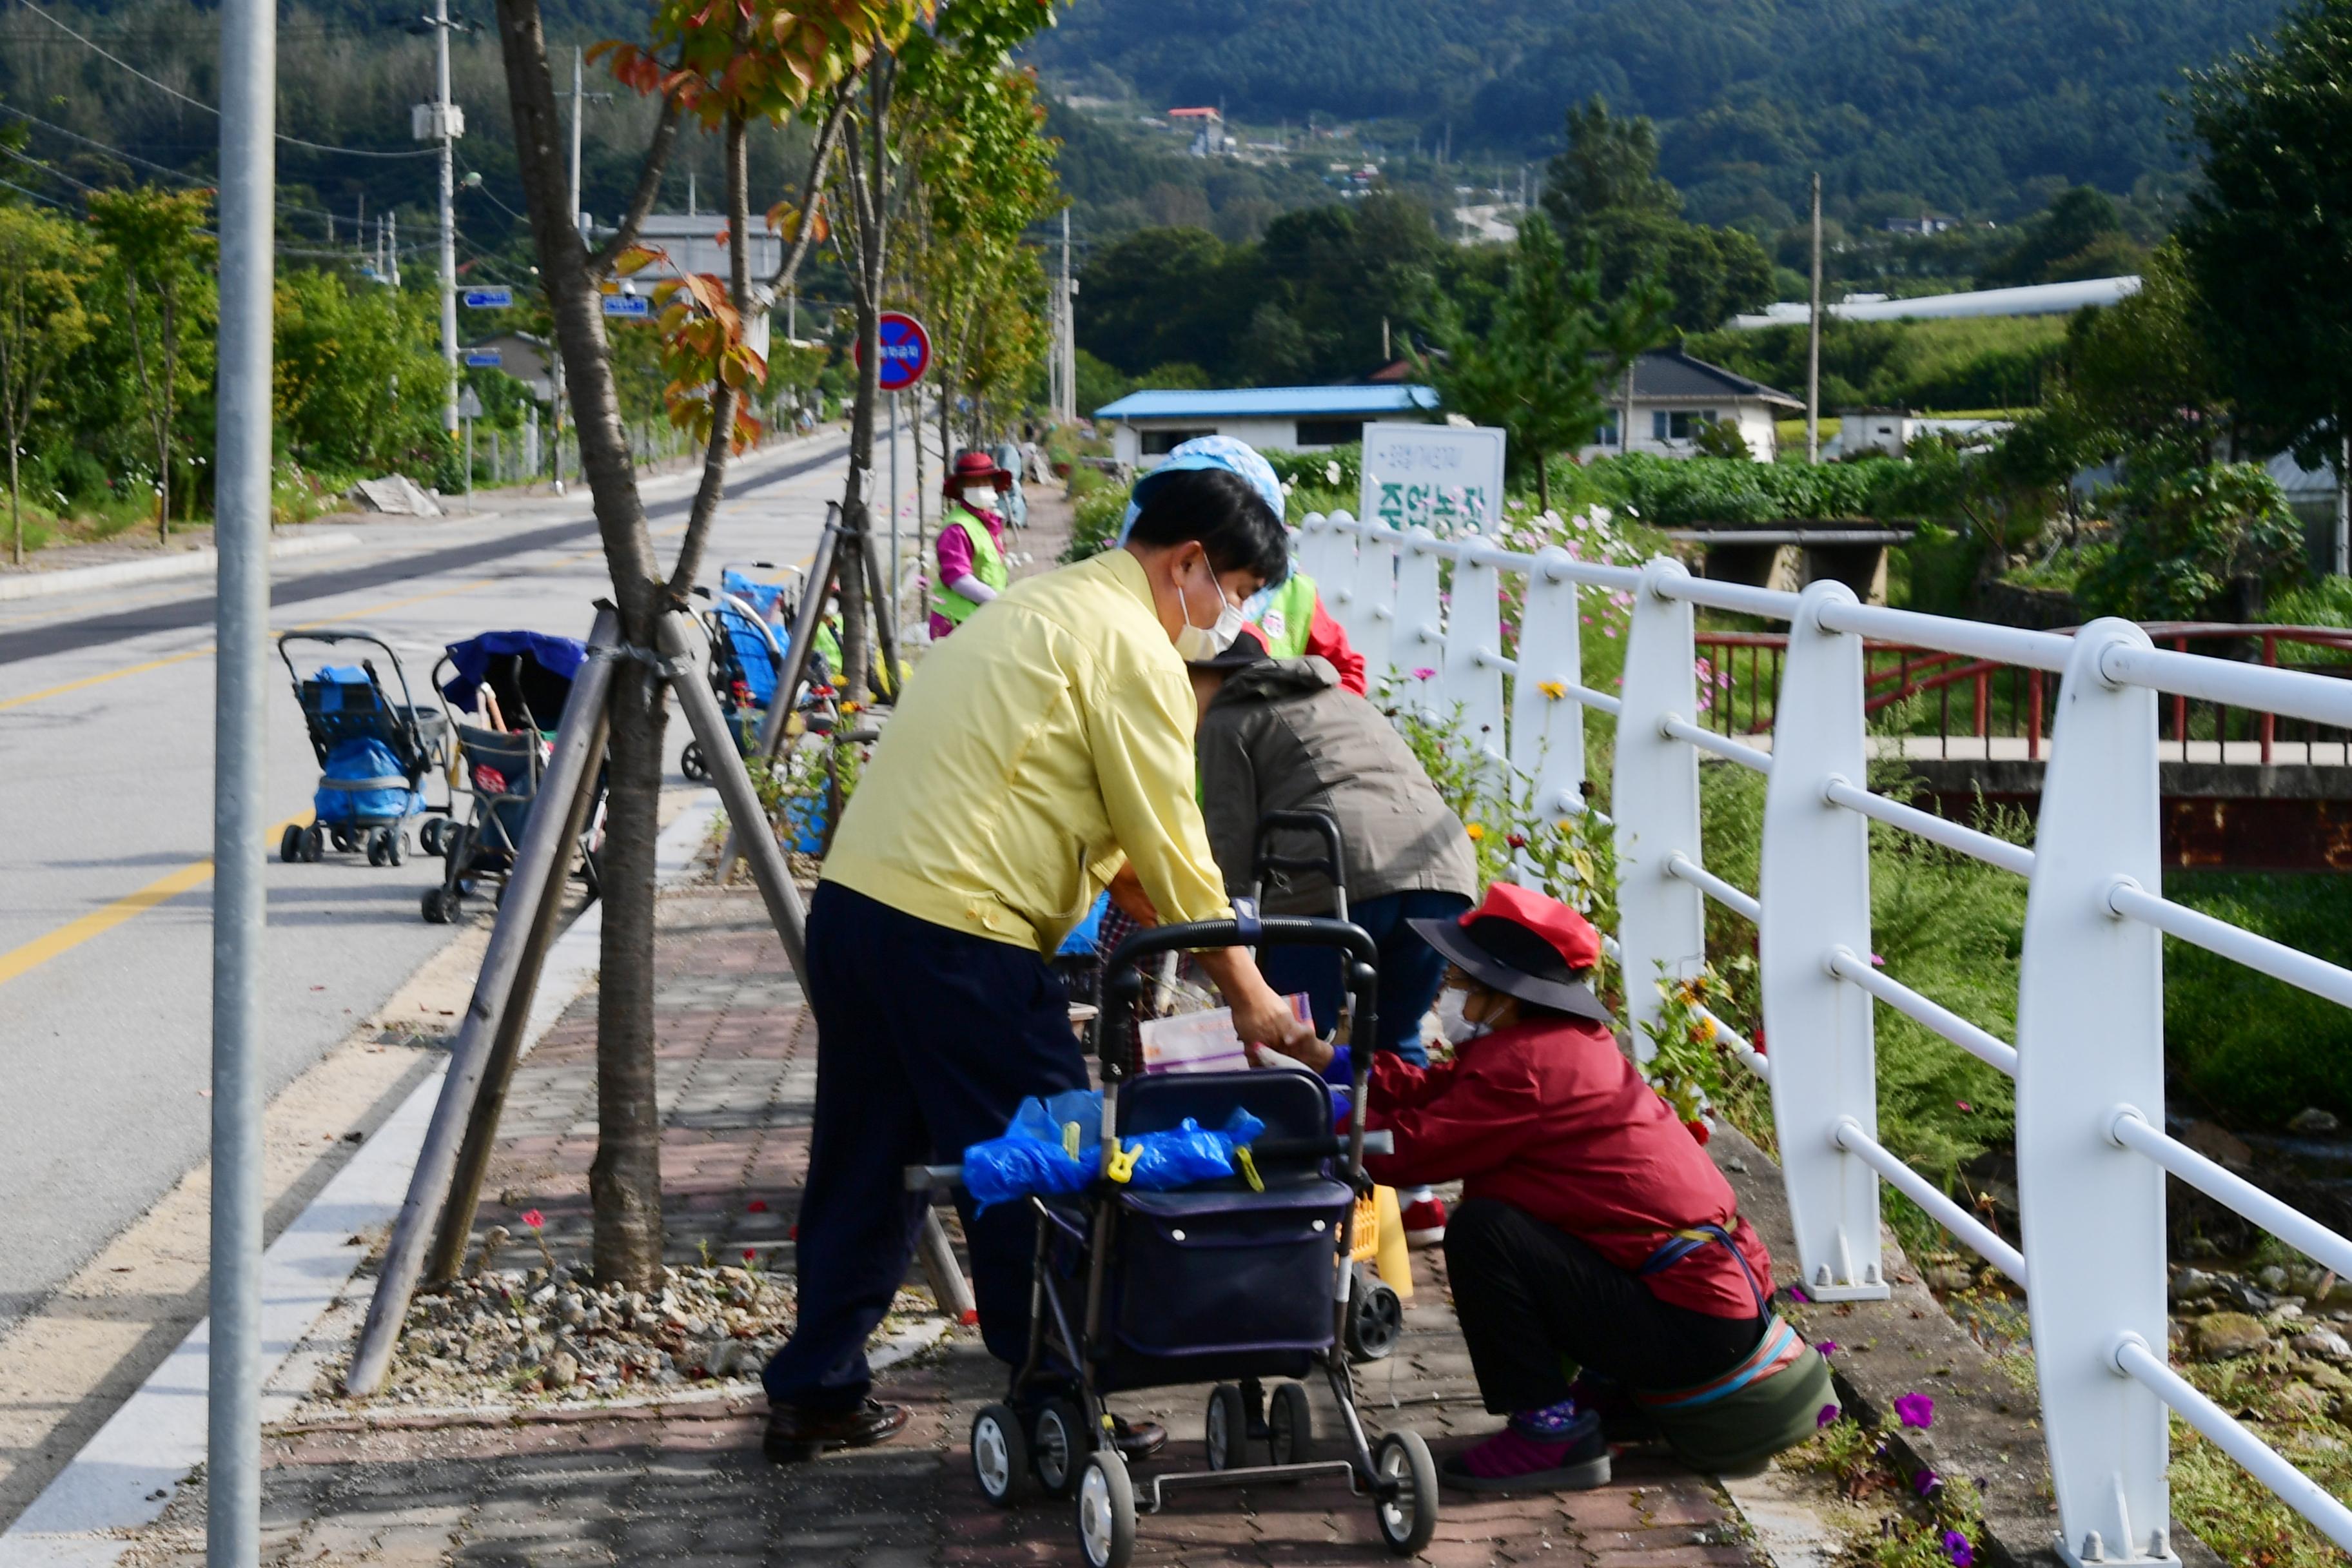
(1827, 1414)
(1796, 1293)
(1926, 1483)
(1828, 1347)
(1914, 1410)
(1957, 1548)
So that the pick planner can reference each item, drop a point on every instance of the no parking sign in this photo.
(906, 352)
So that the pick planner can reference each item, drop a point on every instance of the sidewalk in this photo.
(684, 1482)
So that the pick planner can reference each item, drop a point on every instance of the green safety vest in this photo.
(987, 564)
(1289, 616)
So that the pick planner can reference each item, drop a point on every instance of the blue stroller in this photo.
(523, 681)
(747, 658)
(1231, 1281)
(373, 753)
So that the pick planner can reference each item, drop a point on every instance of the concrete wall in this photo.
(1754, 420)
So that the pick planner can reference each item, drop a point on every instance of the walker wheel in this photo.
(1404, 1493)
(430, 834)
(693, 764)
(1375, 1318)
(1226, 1427)
(377, 852)
(395, 846)
(1290, 1424)
(343, 842)
(1000, 1456)
(290, 845)
(1058, 1445)
(1105, 1511)
(439, 905)
(314, 843)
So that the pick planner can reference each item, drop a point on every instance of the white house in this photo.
(1892, 430)
(1676, 396)
(690, 242)
(1147, 425)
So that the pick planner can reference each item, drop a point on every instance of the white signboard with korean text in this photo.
(1447, 479)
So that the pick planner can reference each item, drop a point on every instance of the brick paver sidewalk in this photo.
(687, 1484)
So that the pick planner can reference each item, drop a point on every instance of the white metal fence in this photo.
(2088, 1062)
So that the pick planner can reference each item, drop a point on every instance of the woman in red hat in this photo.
(1593, 1232)
(970, 546)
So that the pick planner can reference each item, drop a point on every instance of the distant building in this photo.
(1676, 397)
(519, 355)
(1208, 128)
(2033, 299)
(690, 243)
(1148, 425)
(1892, 431)
(1924, 224)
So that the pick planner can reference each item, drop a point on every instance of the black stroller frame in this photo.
(723, 664)
(1051, 1428)
(482, 847)
(419, 737)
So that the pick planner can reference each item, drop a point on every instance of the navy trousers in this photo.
(927, 1039)
(1410, 970)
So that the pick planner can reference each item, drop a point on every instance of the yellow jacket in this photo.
(1050, 734)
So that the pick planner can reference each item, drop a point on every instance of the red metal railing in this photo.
(2008, 702)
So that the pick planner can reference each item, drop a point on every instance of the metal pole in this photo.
(578, 109)
(1813, 342)
(536, 861)
(448, 216)
(795, 670)
(2344, 504)
(893, 615)
(249, 94)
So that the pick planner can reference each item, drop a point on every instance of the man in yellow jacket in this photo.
(1046, 748)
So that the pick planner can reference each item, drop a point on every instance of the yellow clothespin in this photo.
(1070, 1139)
(1249, 1168)
(1122, 1161)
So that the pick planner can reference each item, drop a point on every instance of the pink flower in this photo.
(1827, 1414)
(1914, 1410)
(533, 1218)
(1962, 1105)
(750, 1254)
(1876, 962)
(1423, 673)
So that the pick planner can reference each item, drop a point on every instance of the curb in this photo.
(161, 568)
(123, 1477)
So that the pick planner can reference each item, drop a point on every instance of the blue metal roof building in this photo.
(1148, 425)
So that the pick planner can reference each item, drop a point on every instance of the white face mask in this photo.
(1194, 643)
(979, 497)
(1458, 1029)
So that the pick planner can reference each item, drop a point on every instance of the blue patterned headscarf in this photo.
(1209, 452)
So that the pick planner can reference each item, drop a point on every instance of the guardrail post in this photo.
(1470, 671)
(2090, 1039)
(1814, 885)
(1374, 601)
(1662, 922)
(1310, 551)
(1548, 731)
(1419, 640)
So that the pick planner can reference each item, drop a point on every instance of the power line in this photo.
(164, 87)
(45, 201)
(101, 146)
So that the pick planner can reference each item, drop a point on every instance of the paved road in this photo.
(106, 791)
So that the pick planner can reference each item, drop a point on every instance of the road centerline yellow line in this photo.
(99, 922)
(88, 680)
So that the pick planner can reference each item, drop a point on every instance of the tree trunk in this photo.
(15, 505)
(625, 1181)
(168, 329)
(1543, 484)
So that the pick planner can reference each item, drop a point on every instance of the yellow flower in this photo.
(1552, 689)
(1477, 831)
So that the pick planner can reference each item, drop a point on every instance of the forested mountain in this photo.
(1980, 107)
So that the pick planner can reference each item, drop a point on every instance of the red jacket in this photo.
(1327, 638)
(1551, 1119)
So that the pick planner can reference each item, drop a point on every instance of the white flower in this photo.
(1331, 472)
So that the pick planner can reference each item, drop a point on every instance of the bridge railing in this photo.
(1987, 709)
(2088, 1060)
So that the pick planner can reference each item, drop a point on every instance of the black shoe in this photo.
(795, 1434)
(1137, 1439)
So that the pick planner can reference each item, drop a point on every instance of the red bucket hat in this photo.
(1519, 941)
(971, 465)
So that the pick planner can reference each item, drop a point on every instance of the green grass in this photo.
(2250, 1047)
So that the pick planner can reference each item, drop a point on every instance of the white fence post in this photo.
(1662, 924)
(1471, 670)
(1814, 885)
(1375, 599)
(1419, 636)
(1328, 556)
(1548, 731)
(2090, 1040)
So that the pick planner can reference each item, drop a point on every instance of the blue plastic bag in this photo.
(1189, 1152)
(1051, 1146)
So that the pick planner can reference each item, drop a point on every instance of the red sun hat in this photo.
(971, 464)
(1521, 943)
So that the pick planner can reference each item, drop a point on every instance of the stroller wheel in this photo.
(395, 846)
(693, 763)
(1226, 1427)
(440, 906)
(1057, 1445)
(1290, 1424)
(377, 851)
(428, 835)
(1404, 1493)
(1106, 1510)
(1375, 1318)
(290, 845)
(314, 843)
(1000, 1456)
(342, 841)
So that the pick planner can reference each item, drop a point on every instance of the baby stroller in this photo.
(373, 753)
(1228, 1282)
(527, 679)
(747, 657)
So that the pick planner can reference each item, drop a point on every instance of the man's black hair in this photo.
(1225, 513)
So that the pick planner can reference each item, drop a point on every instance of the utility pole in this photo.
(1066, 337)
(1813, 340)
(444, 123)
(248, 219)
(579, 109)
